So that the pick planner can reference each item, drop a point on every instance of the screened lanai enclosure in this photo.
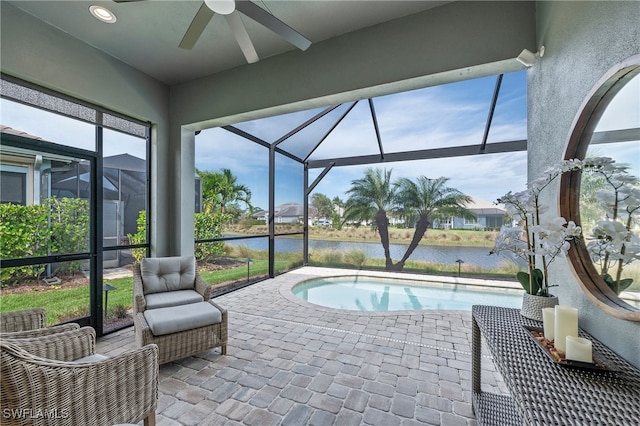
(459, 131)
(77, 210)
(96, 164)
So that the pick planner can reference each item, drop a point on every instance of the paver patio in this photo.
(293, 363)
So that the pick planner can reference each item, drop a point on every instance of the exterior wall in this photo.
(583, 40)
(41, 54)
(481, 222)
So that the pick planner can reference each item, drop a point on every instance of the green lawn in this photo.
(66, 304)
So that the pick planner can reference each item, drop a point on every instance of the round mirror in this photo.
(604, 198)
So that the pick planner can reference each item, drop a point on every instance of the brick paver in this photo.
(290, 362)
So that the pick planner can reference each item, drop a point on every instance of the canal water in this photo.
(478, 256)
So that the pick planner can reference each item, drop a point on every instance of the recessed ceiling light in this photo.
(103, 14)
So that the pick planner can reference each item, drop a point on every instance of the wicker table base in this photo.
(543, 392)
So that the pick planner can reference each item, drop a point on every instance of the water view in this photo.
(478, 256)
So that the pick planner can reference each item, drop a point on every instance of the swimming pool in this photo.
(360, 293)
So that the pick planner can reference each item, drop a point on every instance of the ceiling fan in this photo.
(231, 10)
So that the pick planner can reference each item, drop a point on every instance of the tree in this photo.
(428, 199)
(425, 200)
(369, 199)
(590, 210)
(221, 189)
(322, 204)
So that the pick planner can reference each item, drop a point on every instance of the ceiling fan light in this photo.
(222, 7)
(103, 14)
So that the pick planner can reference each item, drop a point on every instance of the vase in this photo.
(532, 305)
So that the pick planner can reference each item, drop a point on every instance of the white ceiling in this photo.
(147, 33)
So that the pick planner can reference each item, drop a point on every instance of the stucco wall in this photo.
(583, 40)
(41, 54)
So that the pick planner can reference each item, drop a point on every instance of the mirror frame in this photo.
(591, 111)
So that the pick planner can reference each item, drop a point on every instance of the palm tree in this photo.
(429, 199)
(369, 199)
(219, 189)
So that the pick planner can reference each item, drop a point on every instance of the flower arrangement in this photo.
(613, 244)
(536, 239)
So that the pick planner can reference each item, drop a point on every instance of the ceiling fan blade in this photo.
(197, 26)
(242, 37)
(263, 17)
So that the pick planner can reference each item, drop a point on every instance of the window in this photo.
(14, 187)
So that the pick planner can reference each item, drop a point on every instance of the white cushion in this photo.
(168, 274)
(180, 318)
(172, 298)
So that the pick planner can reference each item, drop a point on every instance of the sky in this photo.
(435, 117)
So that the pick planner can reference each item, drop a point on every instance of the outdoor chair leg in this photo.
(150, 420)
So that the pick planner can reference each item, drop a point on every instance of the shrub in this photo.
(23, 233)
(119, 312)
(355, 256)
(209, 226)
(329, 257)
(58, 225)
(140, 237)
(243, 251)
(246, 223)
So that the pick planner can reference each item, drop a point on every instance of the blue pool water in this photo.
(359, 293)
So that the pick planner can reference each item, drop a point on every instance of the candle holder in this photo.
(558, 357)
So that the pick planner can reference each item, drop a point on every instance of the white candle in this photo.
(566, 324)
(579, 349)
(548, 322)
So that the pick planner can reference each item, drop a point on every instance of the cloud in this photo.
(486, 176)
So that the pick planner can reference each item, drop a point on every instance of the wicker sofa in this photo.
(173, 308)
(59, 379)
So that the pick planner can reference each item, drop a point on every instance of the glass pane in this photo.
(289, 195)
(124, 189)
(484, 178)
(39, 124)
(510, 116)
(233, 175)
(435, 117)
(117, 290)
(64, 296)
(288, 253)
(355, 135)
(54, 219)
(13, 184)
(243, 261)
(301, 143)
(270, 129)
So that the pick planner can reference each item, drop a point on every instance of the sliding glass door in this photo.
(51, 241)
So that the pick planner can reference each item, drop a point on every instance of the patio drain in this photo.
(389, 339)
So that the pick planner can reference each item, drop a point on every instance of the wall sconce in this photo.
(528, 58)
